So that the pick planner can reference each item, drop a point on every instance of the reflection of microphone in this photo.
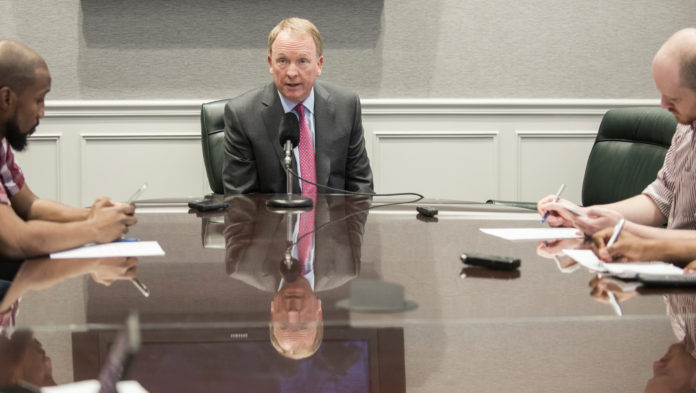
(290, 268)
(289, 137)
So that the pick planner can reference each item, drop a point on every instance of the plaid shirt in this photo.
(8, 320)
(10, 174)
(674, 190)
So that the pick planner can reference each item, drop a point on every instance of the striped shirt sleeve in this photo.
(661, 191)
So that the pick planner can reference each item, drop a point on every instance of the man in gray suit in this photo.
(253, 155)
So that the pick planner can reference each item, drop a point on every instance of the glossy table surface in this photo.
(452, 328)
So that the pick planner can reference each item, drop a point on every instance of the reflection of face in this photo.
(676, 98)
(674, 372)
(294, 65)
(23, 358)
(295, 312)
(28, 110)
(36, 366)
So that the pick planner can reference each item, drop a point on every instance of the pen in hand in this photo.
(137, 193)
(130, 200)
(617, 231)
(555, 199)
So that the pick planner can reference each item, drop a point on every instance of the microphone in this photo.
(289, 137)
(289, 131)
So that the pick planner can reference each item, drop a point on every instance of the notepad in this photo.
(115, 249)
(534, 233)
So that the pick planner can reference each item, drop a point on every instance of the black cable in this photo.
(355, 192)
(296, 242)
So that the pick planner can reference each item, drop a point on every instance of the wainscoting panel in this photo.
(451, 165)
(117, 164)
(551, 158)
(41, 164)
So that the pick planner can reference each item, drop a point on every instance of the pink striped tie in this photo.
(306, 235)
(306, 150)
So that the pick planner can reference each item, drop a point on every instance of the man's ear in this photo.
(7, 97)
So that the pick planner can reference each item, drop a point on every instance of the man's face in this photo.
(676, 98)
(29, 109)
(673, 372)
(36, 366)
(294, 65)
(295, 312)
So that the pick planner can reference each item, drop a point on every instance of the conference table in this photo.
(399, 311)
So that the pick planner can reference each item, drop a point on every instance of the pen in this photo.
(141, 287)
(127, 239)
(612, 300)
(617, 231)
(555, 199)
(137, 193)
(614, 303)
(130, 200)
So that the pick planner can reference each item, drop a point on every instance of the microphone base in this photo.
(288, 203)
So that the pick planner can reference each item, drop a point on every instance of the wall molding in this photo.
(555, 134)
(88, 137)
(370, 106)
(434, 134)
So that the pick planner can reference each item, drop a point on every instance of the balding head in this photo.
(681, 49)
(674, 70)
(24, 83)
(18, 65)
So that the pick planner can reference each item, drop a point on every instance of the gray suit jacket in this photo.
(253, 160)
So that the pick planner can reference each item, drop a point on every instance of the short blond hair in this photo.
(298, 26)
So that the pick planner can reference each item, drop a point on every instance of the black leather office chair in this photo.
(212, 140)
(628, 152)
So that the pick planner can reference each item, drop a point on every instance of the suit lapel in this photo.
(325, 122)
(272, 115)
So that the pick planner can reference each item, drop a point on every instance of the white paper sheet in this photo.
(643, 268)
(92, 386)
(588, 259)
(115, 249)
(534, 233)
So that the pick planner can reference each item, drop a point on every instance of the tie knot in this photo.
(300, 109)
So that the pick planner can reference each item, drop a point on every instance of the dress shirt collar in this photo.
(288, 105)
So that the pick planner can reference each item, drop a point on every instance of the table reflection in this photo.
(23, 359)
(676, 370)
(262, 251)
(276, 310)
(208, 324)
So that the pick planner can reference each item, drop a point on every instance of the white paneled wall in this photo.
(454, 149)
